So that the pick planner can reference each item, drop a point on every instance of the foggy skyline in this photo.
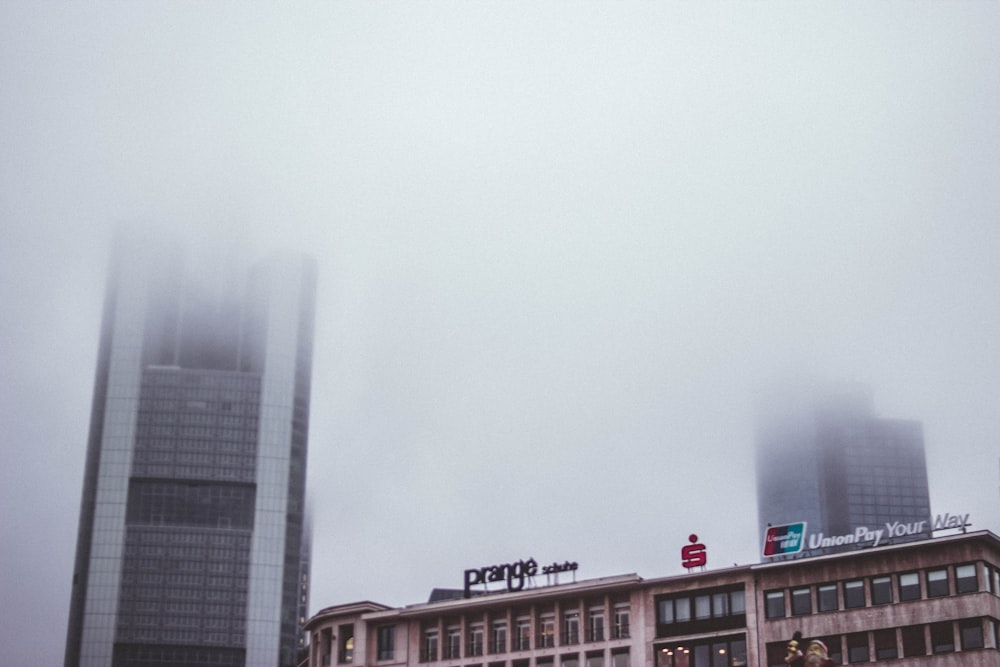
(561, 248)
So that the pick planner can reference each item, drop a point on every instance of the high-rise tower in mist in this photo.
(824, 458)
(191, 546)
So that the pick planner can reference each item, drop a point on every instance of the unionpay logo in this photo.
(787, 539)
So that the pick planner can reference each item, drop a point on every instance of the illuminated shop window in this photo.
(716, 652)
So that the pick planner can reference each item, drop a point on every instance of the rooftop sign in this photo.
(791, 538)
(786, 539)
(514, 574)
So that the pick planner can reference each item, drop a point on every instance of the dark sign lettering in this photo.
(513, 573)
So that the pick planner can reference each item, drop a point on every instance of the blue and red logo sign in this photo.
(787, 539)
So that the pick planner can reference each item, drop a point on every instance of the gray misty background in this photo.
(561, 248)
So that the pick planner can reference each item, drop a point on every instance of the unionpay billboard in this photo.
(786, 539)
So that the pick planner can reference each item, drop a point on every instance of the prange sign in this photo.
(791, 538)
(513, 573)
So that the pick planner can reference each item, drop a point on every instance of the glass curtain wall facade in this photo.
(824, 458)
(191, 546)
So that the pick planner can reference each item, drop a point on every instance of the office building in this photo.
(824, 459)
(191, 547)
(933, 603)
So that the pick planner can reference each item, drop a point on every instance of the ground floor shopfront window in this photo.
(709, 652)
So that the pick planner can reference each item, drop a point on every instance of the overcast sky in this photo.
(561, 247)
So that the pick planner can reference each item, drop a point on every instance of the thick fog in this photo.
(561, 249)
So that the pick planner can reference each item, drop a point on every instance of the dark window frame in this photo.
(938, 588)
(851, 588)
(967, 584)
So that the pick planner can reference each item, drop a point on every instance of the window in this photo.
(965, 579)
(595, 659)
(711, 610)
(834, 648)
(774, 604)
(386, 642)
(909, 586)
(942, 637)
(737, 602)
(499, 640)
(826, 597)
(476, 638)
(620, 658)
(571, 628)
(523, 634)
(857, 647)
(971, 633)
(914, 643)
(453, 647)
(345, 653)
(707, 652)
(682, 610)
(429, 651)
(595, 625)
(622, 623)
(702, 607)
(881, 590)
(547, 631)
(570, 660)
(937, 583)
(885, 645)
(801, 601)
(720, 605)
(854, 594)
(776, 652)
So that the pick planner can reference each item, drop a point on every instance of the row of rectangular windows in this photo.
(891, 643)
(880, 590)
(172, 537)
(545, 636)
(475, 640)
(196, 445)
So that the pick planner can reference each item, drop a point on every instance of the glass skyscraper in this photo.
(192, 545)
(825, 459)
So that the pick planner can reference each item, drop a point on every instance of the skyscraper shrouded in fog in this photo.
(824, 458)
(192, 545)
